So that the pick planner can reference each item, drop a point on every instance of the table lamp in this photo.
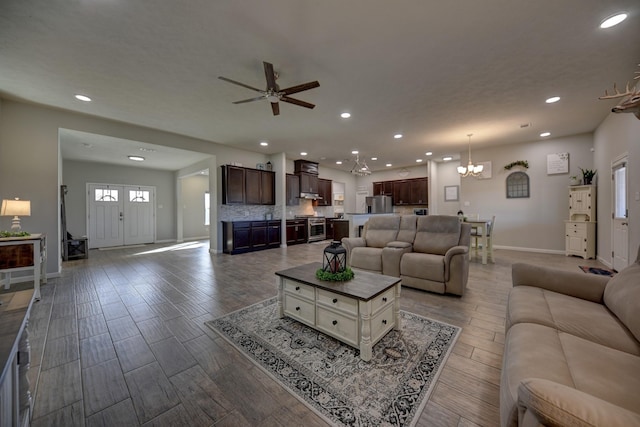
(15, 208)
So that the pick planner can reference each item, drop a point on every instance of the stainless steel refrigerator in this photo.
(379, 204)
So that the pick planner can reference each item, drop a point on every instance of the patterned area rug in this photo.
(330, 377)
(598, 271)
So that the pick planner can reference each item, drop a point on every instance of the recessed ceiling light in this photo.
(418, 160)
(544, 134)
(136, 158)
(374, 158)
(429, 153)
(552, 99)
(345, 115)
(447, 158)
(388, 165)
(83, 98)
(339, 162)
(264, 143)
(354, 152)
(397, 136)
(304, 153)
(613, 20)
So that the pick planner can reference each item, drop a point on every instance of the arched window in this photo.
(517, 185)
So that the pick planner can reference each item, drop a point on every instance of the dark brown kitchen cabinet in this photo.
(247, 236)
(401, 193)
(337, 228)
(308, 183)
(325, 193)
(296, 231)
(419, 191)
(247, 186)
(293, 190)
(232, 185)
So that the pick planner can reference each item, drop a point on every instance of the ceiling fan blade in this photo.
(271, 76)
(240, 84)
(296, 102)
(259, 98)
(275, 107)
(299, 88)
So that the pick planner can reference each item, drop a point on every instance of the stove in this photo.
(316, 228)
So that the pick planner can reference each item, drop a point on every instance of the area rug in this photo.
(329, 376)
(596, 270)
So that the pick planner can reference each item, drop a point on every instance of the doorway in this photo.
(620, 215)
(120, 215)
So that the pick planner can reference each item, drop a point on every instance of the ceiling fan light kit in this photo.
(273, 93)
(470, 169)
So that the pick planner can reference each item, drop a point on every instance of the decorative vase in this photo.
(574, 181)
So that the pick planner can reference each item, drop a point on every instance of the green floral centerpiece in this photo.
(341, 276)
(587, 175)
(5, 233)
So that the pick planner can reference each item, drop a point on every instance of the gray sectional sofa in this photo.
(428, 252)
(572, 349)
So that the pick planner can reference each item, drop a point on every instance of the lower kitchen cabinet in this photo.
(337, 229)
(247, 236)
(296, 231)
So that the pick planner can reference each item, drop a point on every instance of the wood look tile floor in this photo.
(119, 340)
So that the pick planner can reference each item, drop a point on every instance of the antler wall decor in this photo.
(628, 105)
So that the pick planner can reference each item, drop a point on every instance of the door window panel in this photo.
(106, 195)
(139, 196)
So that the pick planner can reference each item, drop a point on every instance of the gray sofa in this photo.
(572, 349)
(427, 252)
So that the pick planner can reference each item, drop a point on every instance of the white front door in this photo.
(620, 221)
(139, 224)
(120, 215)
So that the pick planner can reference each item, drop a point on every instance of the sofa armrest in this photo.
(350, 243)
(391, 256)
(589, 287)
(544, 402)
(456, 250)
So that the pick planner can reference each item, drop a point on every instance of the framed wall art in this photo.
(451, 193)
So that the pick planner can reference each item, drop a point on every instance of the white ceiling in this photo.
(431, 70)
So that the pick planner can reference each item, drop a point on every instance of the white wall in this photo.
(192, 205)
(444, 174)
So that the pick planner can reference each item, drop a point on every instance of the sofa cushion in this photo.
(537, 351)
(575, 316)
(423, 266)
(381, 230)
(622, 295)
(436, 234)
(407, 231)
(367, 258)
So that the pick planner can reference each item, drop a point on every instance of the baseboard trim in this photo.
(536, 250)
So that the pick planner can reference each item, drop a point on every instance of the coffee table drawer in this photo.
(298, 288)
(382, 323)
(338, 302)
(338, 325)
(300, 309)
(383, 299)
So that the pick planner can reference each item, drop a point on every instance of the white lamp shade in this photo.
(15, 208)
(462, 170)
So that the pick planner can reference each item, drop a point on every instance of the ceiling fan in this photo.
(273, 93)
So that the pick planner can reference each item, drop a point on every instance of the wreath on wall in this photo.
(523, 163)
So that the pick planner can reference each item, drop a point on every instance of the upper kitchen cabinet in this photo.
(293, 190)
(324, 192)
(305, 166)
(401, 193)
(383, 188)
(308, 183)
(419, 191)
(248, 186)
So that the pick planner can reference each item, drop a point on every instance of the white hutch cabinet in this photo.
(580, 229)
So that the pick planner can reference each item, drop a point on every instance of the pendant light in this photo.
(470, 170)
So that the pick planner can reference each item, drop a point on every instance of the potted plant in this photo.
(587, 175)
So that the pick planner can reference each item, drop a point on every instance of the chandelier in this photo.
(360, 168)
(470, 170)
